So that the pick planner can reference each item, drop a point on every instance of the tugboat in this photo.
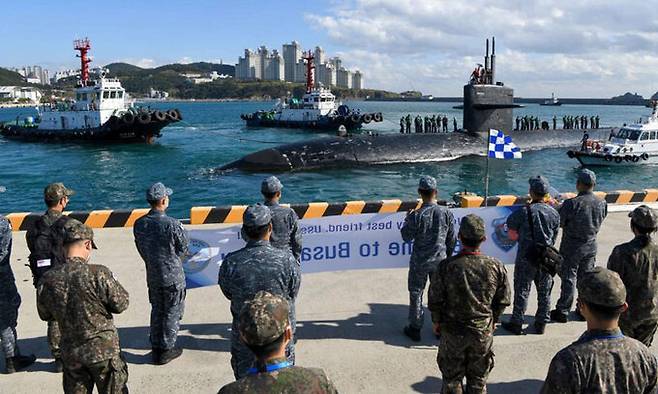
(101, 111)
(316, 110)
(553, 102)
(631, 145)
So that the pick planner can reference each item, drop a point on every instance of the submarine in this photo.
(488, 104)
(363, 150)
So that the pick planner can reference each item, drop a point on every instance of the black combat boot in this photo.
(59, 367)
(155, 354)
(558, 316)
(540, 328)
(168, 355)
(514, 328)
(413, 333)
(19, 362)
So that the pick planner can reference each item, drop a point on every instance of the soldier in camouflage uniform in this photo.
(546, 223)
(265, 329)
(467, 296)
(162, 241)
(581, 218)
(602, 360)
(431, 228)
(285, 226)
(10, 300)
(82, 298)
(636, 262)
(257, 267)
(44, 240)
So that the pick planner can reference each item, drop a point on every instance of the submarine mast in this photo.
(488, 103)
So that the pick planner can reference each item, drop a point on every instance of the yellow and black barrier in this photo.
(233, 214)
(612, 197)
(96, 219)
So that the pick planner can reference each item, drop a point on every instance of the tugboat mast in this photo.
(310, 71)
(83, 46)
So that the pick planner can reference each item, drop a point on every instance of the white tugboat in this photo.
(630, 145)
(553, 102)
(101, 111)
(317, 109)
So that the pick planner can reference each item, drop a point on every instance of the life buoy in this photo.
(144, 118)
(128, 118)
(645, 156)
(160, 116)
(618, 159)
(367, 118)
(635, 159)
(608, 157)
(355, 118)
(172, 114)
(378, 117)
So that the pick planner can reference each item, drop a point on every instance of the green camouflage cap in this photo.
(75, 230)
(472, 227)
(644, 217)
(603, 287)
(56, 191)
(271, 184)
(257, 215)
(427, 183)
(263, 319)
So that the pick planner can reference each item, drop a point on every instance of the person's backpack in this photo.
(547, 257)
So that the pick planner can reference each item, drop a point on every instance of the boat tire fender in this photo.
(144, 118)
(618, 159)
(608, 157)
(367, 118)
(355, 118)
(160, 116)
(378, 117)
(645, 156)
(635, 159)
(128, 118)
(172, 114)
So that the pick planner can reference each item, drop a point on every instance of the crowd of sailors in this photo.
(530, 122)
(427, 124)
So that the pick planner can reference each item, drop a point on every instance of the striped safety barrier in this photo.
(96, 219)
(612, 197)
(233, 214)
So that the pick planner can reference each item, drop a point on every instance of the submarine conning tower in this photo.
(488, 104)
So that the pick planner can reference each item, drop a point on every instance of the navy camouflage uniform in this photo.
(285, 222)
(602, 361)
(431, 228)
(636, 262)
(546, 223)
(580, 218)
(161, 242)
(257, 267)
(468, 294)
(82, 298)
(10, 300)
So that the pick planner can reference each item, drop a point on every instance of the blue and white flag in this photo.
(502, 147)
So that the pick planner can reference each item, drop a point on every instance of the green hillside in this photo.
(11, 78)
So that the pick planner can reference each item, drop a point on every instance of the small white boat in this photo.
(554, 102)
(634, 144)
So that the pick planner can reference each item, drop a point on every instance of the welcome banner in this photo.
(347, 242)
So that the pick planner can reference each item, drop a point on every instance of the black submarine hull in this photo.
(392, 148)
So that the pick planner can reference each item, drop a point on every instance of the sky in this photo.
(575, 48)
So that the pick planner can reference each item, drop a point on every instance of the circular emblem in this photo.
(198, 257)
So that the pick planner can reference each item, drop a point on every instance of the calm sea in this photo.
(116, 176)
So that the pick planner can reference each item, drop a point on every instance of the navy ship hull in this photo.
(397, 148)
(144, 130)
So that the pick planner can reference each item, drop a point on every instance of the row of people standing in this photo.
(469, 291)
(580, 122)
(530, 122)
(427, 124)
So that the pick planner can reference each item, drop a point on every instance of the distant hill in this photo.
(628, 99)
(655, 96)
(11, 78)
(123, 69)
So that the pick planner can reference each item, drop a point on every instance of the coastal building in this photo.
(289, 66)
(16, 93)
(292, 54)
(34, 74)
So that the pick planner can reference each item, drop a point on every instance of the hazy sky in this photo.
(573, 48)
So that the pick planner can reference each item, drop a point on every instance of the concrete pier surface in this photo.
(350, 324)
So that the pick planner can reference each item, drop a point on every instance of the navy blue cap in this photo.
(539, 185)
(157, 192)
(587, 177)
(427, 183)
(271, 184)
(257, 215)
